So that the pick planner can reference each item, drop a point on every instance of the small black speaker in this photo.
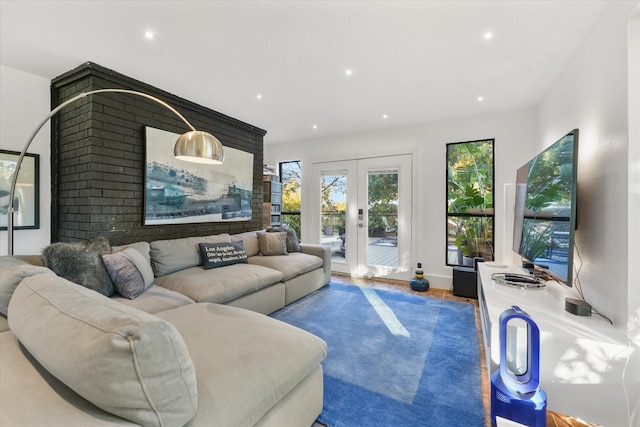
(577, 307)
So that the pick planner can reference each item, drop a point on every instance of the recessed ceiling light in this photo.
(384, 116)
(488, 35)
(349, 72)
(259, 96)
(480, 98)
(315, 126)
(149, 35)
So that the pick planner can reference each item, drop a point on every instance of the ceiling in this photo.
(413, 61)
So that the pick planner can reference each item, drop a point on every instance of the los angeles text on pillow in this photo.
(220, 254)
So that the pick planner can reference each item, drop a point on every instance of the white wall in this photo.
(515, 143)
(24, 102)
(591, 94)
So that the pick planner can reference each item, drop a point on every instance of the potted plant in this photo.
(473, 240)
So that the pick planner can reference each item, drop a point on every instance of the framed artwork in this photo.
(180, 192)
(26, 200)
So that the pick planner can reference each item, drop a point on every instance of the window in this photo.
(291, 178)
(470, 209)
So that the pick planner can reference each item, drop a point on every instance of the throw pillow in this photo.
(272, 243)
(142, 247)
(293, 244)
(168, 256)
(130, 272)
(220, 254)
(81, 263)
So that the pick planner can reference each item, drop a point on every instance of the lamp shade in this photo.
(194, 146)
(199, 147)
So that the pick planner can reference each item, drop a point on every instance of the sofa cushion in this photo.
(155, 299)
(12, 271)
(216, 255)
(168, 256)
(220, 285)
(272, 243)
(81, 262)
(31, 396)
(291, 265)
(250, 240)
(130, 272)
(247, 363)
(127, 362)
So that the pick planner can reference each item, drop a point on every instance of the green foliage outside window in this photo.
(383, 203)
(470, 209)
(291, 178)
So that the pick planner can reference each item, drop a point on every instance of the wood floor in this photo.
(401, 286)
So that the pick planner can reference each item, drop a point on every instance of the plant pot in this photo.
(467, 261)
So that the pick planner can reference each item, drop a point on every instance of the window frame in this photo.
(487, 212)
(292, 213)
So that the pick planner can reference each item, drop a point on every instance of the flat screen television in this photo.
(545, 209)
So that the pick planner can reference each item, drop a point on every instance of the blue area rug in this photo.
(394, 359)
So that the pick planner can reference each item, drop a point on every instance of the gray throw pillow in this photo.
(81, 263)
(272, 243)
(130, 272)
(293, 244)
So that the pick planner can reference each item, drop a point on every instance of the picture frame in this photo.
(27, 193)
(181, 192)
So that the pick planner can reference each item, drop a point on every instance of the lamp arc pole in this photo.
(196, 146)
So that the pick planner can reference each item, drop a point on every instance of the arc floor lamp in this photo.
(192, 146)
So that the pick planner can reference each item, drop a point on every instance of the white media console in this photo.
(588, 368)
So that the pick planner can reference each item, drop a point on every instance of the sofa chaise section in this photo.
(249, 363)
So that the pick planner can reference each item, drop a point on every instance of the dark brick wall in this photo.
(98, 158)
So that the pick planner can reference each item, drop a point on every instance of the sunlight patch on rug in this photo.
(363, 351)
(386, 314)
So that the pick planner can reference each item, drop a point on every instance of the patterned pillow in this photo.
(272, 243)
(220, 254)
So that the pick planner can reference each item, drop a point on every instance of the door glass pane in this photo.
(333, 213)
(382, 217)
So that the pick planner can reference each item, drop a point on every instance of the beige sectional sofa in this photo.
(194, 348)
(265, 284)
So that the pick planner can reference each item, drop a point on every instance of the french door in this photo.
(363, 212)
